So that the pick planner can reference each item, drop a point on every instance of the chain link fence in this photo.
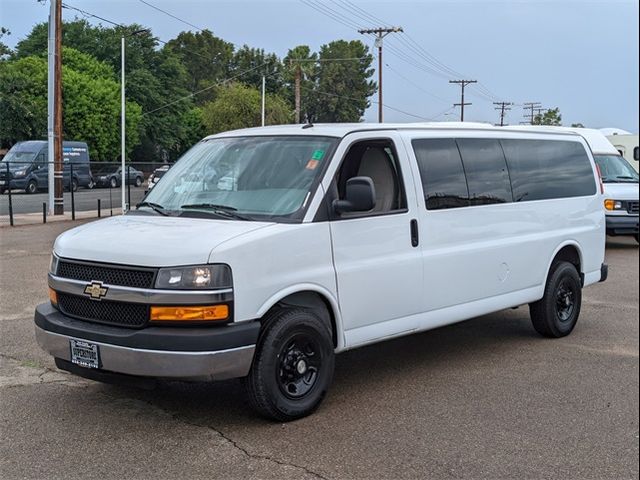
(91, 190)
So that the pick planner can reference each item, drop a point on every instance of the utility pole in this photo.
(51, 53)
(58, 203)
(504, 107)
(380, 33)
(530, 106)
(462, 83)
(264, 93)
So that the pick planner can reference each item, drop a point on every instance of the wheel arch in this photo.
(568, 251)
(310, 296)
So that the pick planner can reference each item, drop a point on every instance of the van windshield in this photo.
(17, 159)
(249, 178)
(615, 169)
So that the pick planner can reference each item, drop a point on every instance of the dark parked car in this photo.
(110, 176)
(157, 175)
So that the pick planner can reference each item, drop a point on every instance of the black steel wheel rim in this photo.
(565, 300)
(299, 364)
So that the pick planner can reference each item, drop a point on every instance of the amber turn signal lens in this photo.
(53, 296)
(609, 204)
(189, 313)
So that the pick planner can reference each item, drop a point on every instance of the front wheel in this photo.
(557, 313)
(113, 182)
(138, 181)
(293, 365)
(32, 187)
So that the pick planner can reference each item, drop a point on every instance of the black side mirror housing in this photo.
(636, 153)
(360, 196)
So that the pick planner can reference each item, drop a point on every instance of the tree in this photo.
(577, 125)
(256, 63)
(343, 86)
(301, 58)
(207, 59)
(239, 106)
(91, 103)
(5, 51)
(550, 117)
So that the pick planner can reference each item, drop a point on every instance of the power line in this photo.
(171, 15)
(504, 107)
(415, 84)
(530, 106)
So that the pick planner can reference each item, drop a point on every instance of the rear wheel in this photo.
(138, 181)
(293, 365)
(556, 314)
(32, 187)
(74, 185)
(113, 182)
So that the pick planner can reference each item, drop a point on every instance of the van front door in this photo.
(377, 260)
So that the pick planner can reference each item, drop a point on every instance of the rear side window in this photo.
(486, 170)
(545, 169)
(443, 179)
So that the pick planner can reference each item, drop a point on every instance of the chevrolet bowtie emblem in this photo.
(95, 290)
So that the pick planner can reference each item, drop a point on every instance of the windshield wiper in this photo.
(156, 207)
(222, 210)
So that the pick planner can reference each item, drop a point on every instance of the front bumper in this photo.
(622, 225)
(14, 183)
(199, 353)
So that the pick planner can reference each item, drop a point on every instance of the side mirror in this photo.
(636, 154)
(360, 196)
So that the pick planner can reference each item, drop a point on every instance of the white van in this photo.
(325, 238)
(627, 146)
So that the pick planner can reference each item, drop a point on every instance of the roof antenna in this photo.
(307, 125)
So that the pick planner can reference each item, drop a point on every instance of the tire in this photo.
(293, 365)
(74, 185)
(138, 181)
(557, 313)
(91, 184)
(113, 182)
(32, 187)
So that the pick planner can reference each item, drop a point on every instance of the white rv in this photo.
(316, 239)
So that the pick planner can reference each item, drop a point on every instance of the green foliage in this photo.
(206, 58)
(550, 117)
(239, 106)
(256, 63)
(5, 51)
(577, 125)
(91, 103)
(344, 78)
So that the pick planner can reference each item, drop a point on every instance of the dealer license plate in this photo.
(85, 354)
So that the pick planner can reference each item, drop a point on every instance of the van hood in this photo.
(621, 191)
(150, 241)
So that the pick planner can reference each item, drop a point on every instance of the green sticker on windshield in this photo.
(317, 155)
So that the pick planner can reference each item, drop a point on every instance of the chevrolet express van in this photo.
(264, 252)
(25, 166)
(619, 178)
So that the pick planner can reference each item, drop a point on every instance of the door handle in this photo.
(415, 238)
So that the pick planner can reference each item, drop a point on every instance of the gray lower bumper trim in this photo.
(216, 365)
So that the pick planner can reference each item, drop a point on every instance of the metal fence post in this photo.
(44, 212)
(9, 191)
(110, 200)
(73, 203)
(99, 213)
(128, 188)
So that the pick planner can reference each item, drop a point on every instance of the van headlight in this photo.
(195, 277)
(612, 205)
(20, 173)
(53, 265)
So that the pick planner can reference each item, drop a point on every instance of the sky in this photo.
(579, 56)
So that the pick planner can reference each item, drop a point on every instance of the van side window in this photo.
(486, 171)
(376, 160)
(40, 160)
(545, 169)
(442, 174)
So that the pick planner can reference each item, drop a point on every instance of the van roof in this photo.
(598, 143)
(342, 129)
(37, 144)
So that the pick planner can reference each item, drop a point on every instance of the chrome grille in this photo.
(126, 277)
(632, 207)
(132, 315)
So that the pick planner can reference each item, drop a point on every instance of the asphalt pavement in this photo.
(486, 398)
